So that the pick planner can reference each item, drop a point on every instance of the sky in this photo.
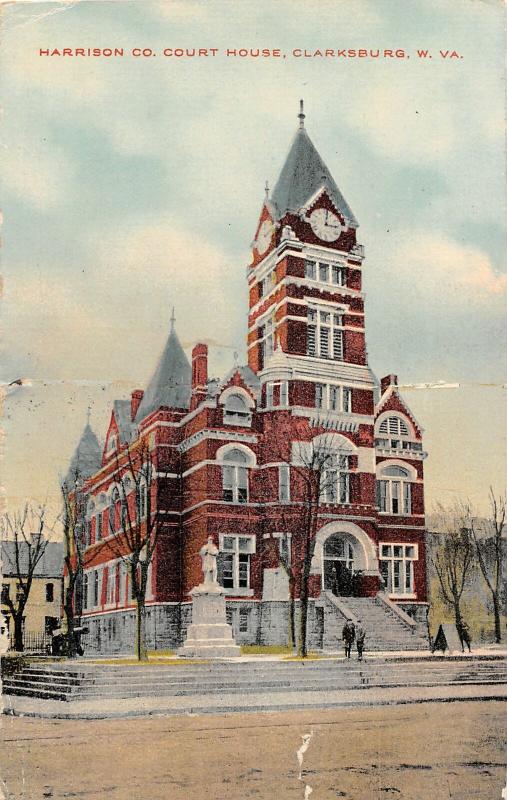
(134, 184)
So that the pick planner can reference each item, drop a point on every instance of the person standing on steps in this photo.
(348, 636)
(360, 637)
(464, 635)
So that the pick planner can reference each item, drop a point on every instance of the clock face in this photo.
(264, 236)
(325, 224)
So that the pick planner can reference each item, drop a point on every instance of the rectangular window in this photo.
(284, 547)
(311, 333)
(98, 527)
(407, 498)
(324, 273)
(284, 483)
(347, 401)
(84, 596)
(397, 567)
(334, 398)
(382, 495)
(261, 288)
(269, 395)
(284, 394)
(228, 483)
(234, 561)
(324, 342)
(395, 497)
(338, 275)
(111, 586)
(244, 620)
(310, 270)
(319, 395)
(96, 588)
(50, 592)
(337, 345)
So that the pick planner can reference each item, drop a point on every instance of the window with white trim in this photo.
(111, 585)
(237, 411)
(325, 333)
(394, 490)
(85, 590)
(394, 426)
(397, 567)
(98, 527)
(233, 561)
(324, 272)
(244, 620)
(267, 338)
(331, 397)
(284, 483)
(335, 479)
(96, 587)
(235, 476)
(277, 394)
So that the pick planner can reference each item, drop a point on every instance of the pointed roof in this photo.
(87, 458)
(302, 175)
(170, 384)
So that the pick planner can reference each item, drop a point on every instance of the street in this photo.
(429, 750)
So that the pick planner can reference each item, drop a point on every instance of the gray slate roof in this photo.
(302, 176)
(122, 416)
(87, 456)
(170, 384)
(50, 565)
(249, 377)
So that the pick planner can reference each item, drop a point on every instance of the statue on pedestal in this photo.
(208, 553)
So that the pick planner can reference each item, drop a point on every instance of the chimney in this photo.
(388, 380)
(135, 402)
(199, 375)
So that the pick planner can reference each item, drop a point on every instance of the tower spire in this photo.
(173, 320)
(301, 114)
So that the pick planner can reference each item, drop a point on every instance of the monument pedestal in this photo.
(209, 635)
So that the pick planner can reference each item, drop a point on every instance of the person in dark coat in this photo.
(348, 636)
(464, 635)
(360, 637)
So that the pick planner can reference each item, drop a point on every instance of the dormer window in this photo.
(237, 411)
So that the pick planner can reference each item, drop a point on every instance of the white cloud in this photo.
(445, 268)
(40, 175)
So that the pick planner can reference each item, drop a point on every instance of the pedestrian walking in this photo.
(360, 637)
(348, 636)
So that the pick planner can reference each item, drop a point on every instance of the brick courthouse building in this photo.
(228, 452)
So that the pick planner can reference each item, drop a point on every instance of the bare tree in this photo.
(25, 530)
(455, 558)
(136, 536)
(493, 544)
(321, 471)
(74, 540)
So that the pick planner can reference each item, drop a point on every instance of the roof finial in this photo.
(173, 320)
(266, 189)
(88, 414)
(301, 114)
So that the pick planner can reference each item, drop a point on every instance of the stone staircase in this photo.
(70, 682)
(387, 628)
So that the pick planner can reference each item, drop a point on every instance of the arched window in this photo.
(394, 426)
(237, 411)
(394, 490)
(235, 476)
(335, 479)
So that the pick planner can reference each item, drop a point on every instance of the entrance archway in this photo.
(342, 547)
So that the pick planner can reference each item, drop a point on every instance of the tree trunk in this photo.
(68, 608)
(18, 632)
(498, 620)
(292, 614)
(141, 652)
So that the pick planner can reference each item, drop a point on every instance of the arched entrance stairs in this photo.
(346, 560)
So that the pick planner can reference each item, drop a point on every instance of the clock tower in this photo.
(306, 315)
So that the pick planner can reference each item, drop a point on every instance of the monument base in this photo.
(209, 635)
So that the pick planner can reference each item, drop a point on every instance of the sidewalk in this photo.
(232, 703)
